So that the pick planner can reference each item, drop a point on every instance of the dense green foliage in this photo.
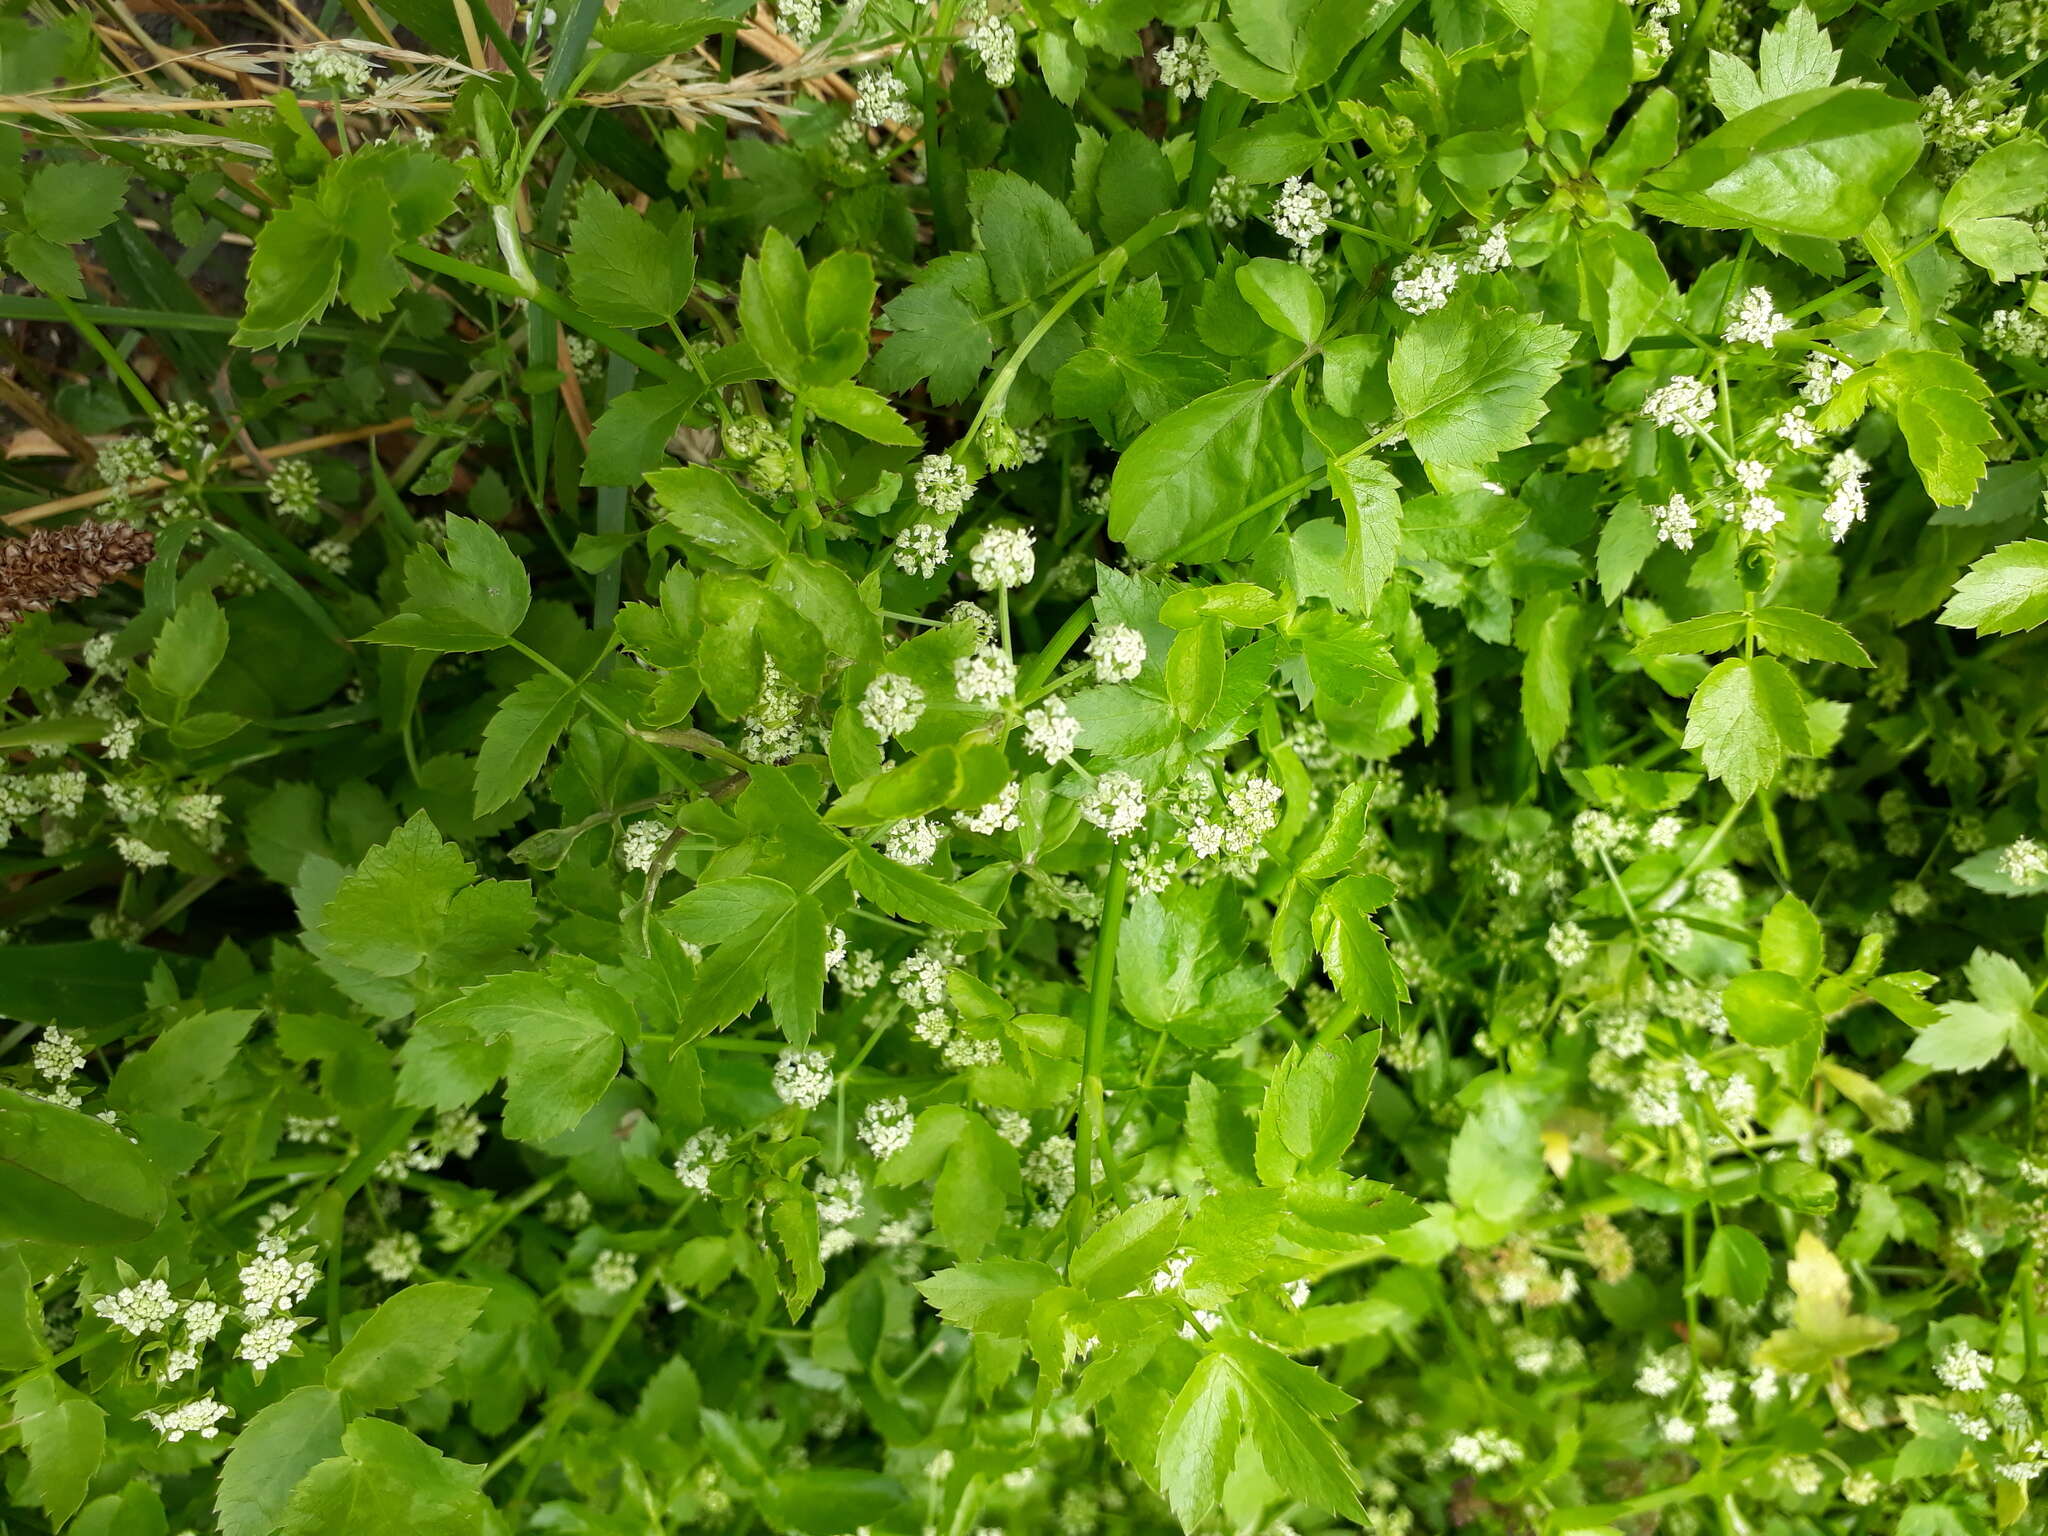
(1052, 766)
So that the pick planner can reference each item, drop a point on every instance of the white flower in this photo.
(886, 1126)
(913, 842)
(891, 705)
(1051, 732)
(1795, 430)
(1185, 67)
(1846, 503)
(1823, 376)
(801, 19)
(613, 1272)
(140, 854)
(2024, 862)
(986, 677)
(1760, 514)
(943, 485)
(1656, 1378)
(642, 842)
(1685, 405)
(1423, 283)
(56, 1054)
(1679, 1430)
(1963, 1369)
(992, 42)
(1751, 474)
(803, 1077)
(999, 815)
(1003, 557)
(273, 1283)
(203, 1320)
(329, 68)
(694, 1161)
(1757, 321)
(1116, 803)
(267, 1343)
(333, 555)
(144, 1307)
(919, 550)
(1119, 652)
(293, 489)
(1301, 213)
(394, 1258)
(199, 1417)
(1567, 944)
(880, 98)
(1493, 254)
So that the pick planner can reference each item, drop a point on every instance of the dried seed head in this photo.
(54, 565)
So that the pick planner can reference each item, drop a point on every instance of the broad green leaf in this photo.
(1125, 1251)
(1470, 382)
(64, 1434)
(1736, 1266)
(68, 1178)
(404, 1347)
(716, 516)
(1582, 54)
(1354, 950)
(1197, 472)
(520, 735)
(473, 599)
(1746, 719)
(1824, 1329)
(388, 1479)
(1818, 162)
(273, 1451)
(991, 1296)
(624, 269)
(2004, 593)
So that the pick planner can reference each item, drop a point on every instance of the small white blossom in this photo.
(1301, 213)
(144, 1307)
(267, 1343)
(1822, 376)
(200, 1417)
(994, 45)
(913, 842)
(1423, 283)
(1118, 651)
(1795, 430)
(891, 705)
(1963, 1369)
(886, 1126)
(1116, 803)
(698, 1154)
(803, 1077)
(1757, 321)
(1685, 405)
(327, 68)
(1185, 67)
(919, 550)
(880, 99)
(613, 1272)
(2024, 862)
(394, 1258)
(1002, 558)
(943, 485)
(999, 815)
(1051, 732)
(56, 1054)
(986, 677)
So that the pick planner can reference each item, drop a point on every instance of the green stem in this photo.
(1101, 985)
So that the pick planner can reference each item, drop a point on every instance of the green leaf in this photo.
(716, 516)
(1354, 950)
(64, 1433)
(189, 647)
(1767, 1008)
(183, 1062)
(625, 270)
(563, 1035)
(389, 913)
(1582, 54)
(1285, 296)
(1736, 1266)
(1549, 633)
(1807, 637)
(1791, 940)
(1195, 473)
(860, 409)
(73, 202)
(2004, 593)
(294, 274)
(1622, 285)
(1194, 672)
(1746, 719)
(937, 332)
(632, 435)
(473, 599)
(1970, 1035)
(991, 1296)
(915, 896)
(1979, 210)
(273, 1451)
(520, 735)
(1470, 382)
(406, 1345)
(1823, 1328)
(1245, 1403)
(387, 1479)
(69, 1179)
(1128, 1249)
(1818, 162)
